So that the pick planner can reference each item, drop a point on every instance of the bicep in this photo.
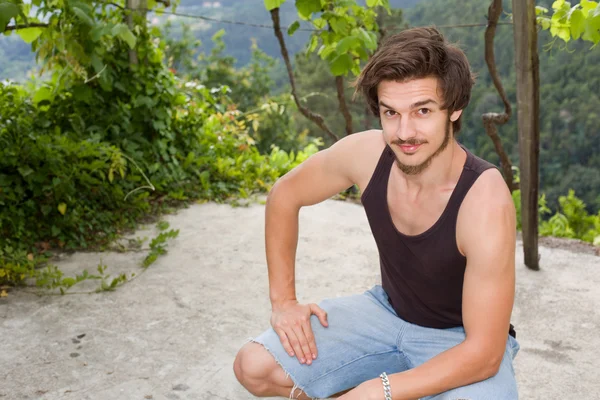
(320, 177)
(489, 286)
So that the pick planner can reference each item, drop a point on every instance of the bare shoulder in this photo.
(487, 212)
(489, 192)
(361, 142)
(348, 162)
(358, 154)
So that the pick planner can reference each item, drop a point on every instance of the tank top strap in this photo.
(474, 166)
(381, 174)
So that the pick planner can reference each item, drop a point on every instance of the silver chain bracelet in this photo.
(386, 386)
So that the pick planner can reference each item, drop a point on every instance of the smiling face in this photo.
(414, 124)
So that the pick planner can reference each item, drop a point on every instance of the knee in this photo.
(251, 371)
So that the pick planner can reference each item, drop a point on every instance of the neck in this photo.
(444, 168)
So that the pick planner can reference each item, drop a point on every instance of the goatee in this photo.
(417, 169)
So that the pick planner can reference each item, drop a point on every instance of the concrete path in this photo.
(173, 332)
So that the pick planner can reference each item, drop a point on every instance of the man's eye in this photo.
(424, 111)
(389, 113)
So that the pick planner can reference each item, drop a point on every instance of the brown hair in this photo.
(419, 53)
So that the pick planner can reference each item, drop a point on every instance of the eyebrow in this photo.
(412, 106)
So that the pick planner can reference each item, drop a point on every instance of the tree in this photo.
(528, 99)
(490, 120)
(346, 33)
(74, 35)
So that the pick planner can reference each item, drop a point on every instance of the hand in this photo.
(369, 390)
(291, 321)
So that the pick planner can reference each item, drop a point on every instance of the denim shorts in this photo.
(365, 337)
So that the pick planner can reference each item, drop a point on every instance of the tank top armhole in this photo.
(376, 173)
(476, 164)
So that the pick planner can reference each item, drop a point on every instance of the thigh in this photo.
(502, 386)
(423, 344)
(358, 344)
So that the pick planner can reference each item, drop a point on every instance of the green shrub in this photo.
(105, 141)
(77, 160)
(570, 221)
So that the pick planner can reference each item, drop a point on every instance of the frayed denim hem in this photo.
(295, 388)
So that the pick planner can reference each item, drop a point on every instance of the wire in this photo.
(224, 21)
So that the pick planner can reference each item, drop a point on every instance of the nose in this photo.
(405, 129)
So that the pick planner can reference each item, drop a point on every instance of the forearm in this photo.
(459, 366)
(281, 241)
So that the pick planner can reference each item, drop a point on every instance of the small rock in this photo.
(74, 355)
(148, 396)
(75, 341)
(181, 387)
(80, 336)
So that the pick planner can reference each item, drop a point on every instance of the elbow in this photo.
(280, 197)
(493, 367)
(490, 365)
(485, 361)
(275, 192)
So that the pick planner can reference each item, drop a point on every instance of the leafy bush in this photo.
(79, 158)
(55, 187)
(571, 221)
(249, 87)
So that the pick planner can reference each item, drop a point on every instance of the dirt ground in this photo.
(173, 332)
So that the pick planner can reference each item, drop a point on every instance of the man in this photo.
(444, 224)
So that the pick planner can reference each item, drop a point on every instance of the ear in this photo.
(455, 115)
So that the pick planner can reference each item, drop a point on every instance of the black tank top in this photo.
(422, 274)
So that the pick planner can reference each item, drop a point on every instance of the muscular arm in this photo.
(320, 177)
(486, 235)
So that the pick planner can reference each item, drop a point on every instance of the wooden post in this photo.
(528, 111)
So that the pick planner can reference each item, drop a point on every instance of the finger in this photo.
(304, 341)
(299, 343)
(310, 337)
(285, 342)
(320, 313)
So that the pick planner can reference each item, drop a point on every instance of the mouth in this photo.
(409, 148)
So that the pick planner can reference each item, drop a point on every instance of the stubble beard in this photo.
(417, 169)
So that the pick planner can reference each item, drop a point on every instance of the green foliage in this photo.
(76, 35)
(346, 33)
(272, 4)
(246, 86)
(158, 244)
(104, 142)
(272, 118)
(51, 181)
(571, 221)
(66, 169)
(8, 11)
(274, 125)
(572, 22)
(17, 62)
